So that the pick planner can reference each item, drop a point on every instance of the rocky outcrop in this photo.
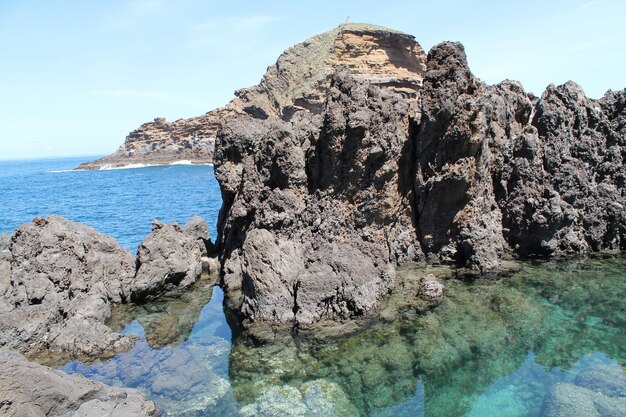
(169, 259)
(63, 278)
(499, 171)
(301, 77)
(318, 210)
(299, 80)
(162, 142)
(59, 279)
(28, 389)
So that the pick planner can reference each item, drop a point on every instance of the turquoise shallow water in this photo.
(507, 347)
(534, 343)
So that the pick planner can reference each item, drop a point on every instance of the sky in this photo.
(77, 76)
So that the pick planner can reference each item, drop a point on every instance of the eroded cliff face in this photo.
(318, 210)
(499, 172)
(298, 81)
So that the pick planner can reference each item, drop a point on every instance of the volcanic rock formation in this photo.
(319, 209)
(59, 279)
(299, 80)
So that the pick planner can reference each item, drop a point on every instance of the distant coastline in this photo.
(112, 167)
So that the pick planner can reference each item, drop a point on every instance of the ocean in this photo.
(121, 203)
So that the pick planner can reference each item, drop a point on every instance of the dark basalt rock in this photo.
(318, 211)
(498, 173)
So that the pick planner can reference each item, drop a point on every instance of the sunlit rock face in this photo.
(299, 80)
(302, 75)
(317, 211)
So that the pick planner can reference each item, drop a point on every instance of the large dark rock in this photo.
(57, 287)
(168, 260)
(29, 389)
(498, 171)
(318, 211)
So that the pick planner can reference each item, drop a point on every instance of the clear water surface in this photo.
(548, 340)
(121, 203)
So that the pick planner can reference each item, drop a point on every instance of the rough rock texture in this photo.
(567, 400)
(316, 212)
(62, 278)
(31, 390)
(319, 209)
(169, 259)
(59, 278)
(299, 80)
(499, 171)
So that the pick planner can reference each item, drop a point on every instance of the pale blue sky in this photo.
(77, 76)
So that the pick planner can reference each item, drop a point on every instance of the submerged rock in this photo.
(28, 389)
(567, 400)
(168, 260)
(314, 398)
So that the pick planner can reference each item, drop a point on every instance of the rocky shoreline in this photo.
(318, 211)
(59, 280)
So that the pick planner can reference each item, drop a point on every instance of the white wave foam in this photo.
(135, 166)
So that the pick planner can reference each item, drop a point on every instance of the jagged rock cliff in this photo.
(318, 210)
(299, 80)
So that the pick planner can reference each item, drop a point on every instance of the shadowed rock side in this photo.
(498, 171)
(317, 211)
(298, 81)
(28, 389)
(59, 279)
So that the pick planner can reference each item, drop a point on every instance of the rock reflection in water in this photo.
(536, 330)
(546, 341)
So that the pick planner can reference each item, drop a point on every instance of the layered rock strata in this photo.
(299, 80)
(318, 210)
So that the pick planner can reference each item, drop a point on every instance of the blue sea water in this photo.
(515, 346)
(121, 203)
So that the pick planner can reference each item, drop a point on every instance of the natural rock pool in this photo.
(547, 340)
